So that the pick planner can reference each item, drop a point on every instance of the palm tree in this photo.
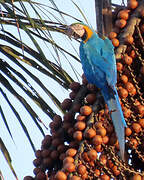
(34, 47)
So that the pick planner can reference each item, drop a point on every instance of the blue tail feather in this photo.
(112, 100)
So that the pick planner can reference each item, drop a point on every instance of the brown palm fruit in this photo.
(38, 153)
(91, 98)
(123, 14)
(104, 177)
(97, 172)
(45, 153)
(105, 139)
(127, 59)
(72, 95)
(99, 148)
(123, 92)
(81, 169)
(129, 39)
(126, 112)
(140, 109)
(110, 163)
(136, 177)
(61, 148)
(76, 107)
(85, 157)
(85, 176)
(136, 127)
(78, 135)
(101, 131)
(47, 162)
(128, 131)
(70, 167)
(75, 178)
(132, 4)
(68, 159)
(141, 122)
(115, 170)
(28, 178)
(46, 141)
(134, 142)
(41, 176)
(124, 79)
(60, 175)
(119, 66)
(74, 86)
(92, 154)
(115, 42)
(54, 154)
(71, 152)
(103, 159)
(86, 110)
(80, 125)
(129, 86)
(37, 162)
(37, 170)
(121, 23)
(90, 133)
(56, 142)
(97, 140)
(66, 104)
(80, 118)
(62, 156)
(68, 117)
(112, 35)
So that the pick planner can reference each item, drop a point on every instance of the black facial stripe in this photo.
(84, 36)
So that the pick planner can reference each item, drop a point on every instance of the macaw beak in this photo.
(70, 32)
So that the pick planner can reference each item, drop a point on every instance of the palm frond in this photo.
(7, 157)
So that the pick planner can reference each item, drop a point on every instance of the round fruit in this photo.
(81, 169)
(119, 66)
(90, 133)
(112, 35)
(141, 122)
(129, 39)
(121, 23)
(90, 98)
(60, 175)
(86, 110)
(115, 42)
(123, 14)
(137, 177)
(124, 79)
(132, 4)
(128, 131)
(92, 154)
(70, 167)
(74, 86)
(128, 60)
(71, 152)
(104, 177)
(136, 127)
(78, 135)
(80, 125)
(97, 140)
(123, 93)
(68, 159)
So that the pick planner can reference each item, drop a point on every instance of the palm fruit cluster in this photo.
(83, 144)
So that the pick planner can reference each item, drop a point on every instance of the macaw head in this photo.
(80, 30)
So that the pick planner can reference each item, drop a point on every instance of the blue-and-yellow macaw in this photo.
(99, 65)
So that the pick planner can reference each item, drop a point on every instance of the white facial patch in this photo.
(78, 29)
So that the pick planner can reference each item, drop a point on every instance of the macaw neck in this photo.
(88, 34)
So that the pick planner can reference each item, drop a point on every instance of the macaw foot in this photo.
(113, 110)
